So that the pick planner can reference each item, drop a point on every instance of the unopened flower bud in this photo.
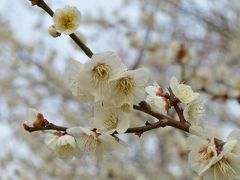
(52, 31)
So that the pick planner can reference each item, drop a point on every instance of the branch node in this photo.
(148, 123)
(145, 105)
(139, 134)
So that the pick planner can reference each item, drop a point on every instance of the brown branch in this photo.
(163, 120)
(45, 7)
(148, 127)
(49, 126)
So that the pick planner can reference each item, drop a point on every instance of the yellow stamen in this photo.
(101, 71)
(125, 84)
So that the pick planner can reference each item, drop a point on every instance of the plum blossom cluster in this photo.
(105, 84)
(112, 90)
(183, 95)
(194, 107)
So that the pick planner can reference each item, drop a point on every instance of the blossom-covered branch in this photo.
(143, 106)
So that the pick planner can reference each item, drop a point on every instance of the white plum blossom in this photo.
(182, 91)
(155, 100)
(110, 120)
(213, 158)
(66, 20)
(194, 111)
(202, 153)
(63, 145)
(94, 143)
(97, 73)
(227, 165)
(73, 69)
(128, 87)
(202, 78)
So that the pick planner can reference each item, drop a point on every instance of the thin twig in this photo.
(48, 127)
(86, 50)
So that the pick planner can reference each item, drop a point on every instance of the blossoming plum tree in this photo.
(113, 91)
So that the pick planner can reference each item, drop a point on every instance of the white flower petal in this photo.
(50, 140)
(195, 143)
(234, 135)
(141, 76)
(123, 124)
(77, 131)
(156, 103)
(193, 112)
(151, 90)
(31, 116)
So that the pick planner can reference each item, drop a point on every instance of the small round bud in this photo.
(52, 31)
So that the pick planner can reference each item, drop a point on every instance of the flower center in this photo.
(111, 122)
(66, 147)
(101, 71)
(64, 150)
(67, 22)
(125, 84)
(224, 168)
(205, 154)
(125, 107)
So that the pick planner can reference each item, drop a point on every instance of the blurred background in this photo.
(196, 41)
